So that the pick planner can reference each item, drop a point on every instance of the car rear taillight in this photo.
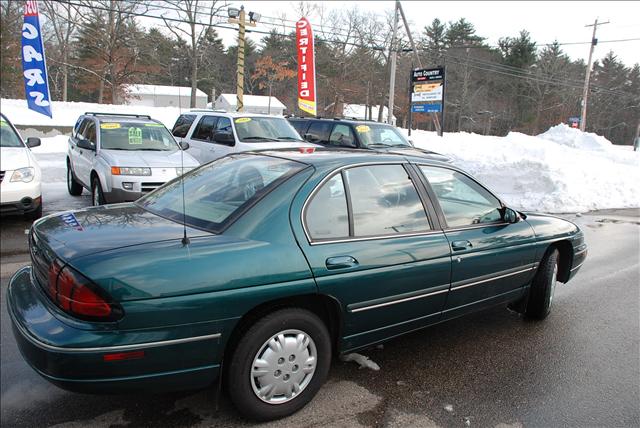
(75, 294)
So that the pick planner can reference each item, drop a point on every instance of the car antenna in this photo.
(185, 239)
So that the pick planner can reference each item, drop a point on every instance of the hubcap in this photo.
(283, 366)
(553, 283)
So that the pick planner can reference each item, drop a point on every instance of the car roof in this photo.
(326, 157)
(120, 117)
(339, 119)
(231, 114)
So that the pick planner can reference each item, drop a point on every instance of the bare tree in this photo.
(190, 12)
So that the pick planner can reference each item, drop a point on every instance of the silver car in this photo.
(121, 157)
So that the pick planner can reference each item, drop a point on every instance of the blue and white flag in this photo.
(34, 66)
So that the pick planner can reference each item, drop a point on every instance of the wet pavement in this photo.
(580, 367)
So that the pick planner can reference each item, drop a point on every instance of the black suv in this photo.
(358, 134)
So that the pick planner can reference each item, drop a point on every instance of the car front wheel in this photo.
(543, 287)
(279, 364)
(97, 197)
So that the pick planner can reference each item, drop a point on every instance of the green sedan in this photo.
(258, 268)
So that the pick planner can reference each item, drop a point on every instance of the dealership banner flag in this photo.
(34, 66)
(306, 67)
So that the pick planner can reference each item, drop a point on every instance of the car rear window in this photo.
(218, 192)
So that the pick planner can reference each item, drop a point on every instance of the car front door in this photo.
(84, 159)
(491, 259)
(223, 125)
(201, 139)
(373, 243)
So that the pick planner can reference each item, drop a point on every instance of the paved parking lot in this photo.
(578, 368)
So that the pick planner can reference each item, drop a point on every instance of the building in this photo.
(252, 104)
(357, 111)
(163, 96)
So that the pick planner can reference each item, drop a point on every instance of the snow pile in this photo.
(67, 113)
(362, 360)
(561, 170)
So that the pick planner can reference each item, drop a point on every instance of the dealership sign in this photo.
(34, 66)
(427, 92)
(306, 67)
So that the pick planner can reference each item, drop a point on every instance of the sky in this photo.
(563, 21)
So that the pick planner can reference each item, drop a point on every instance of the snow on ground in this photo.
(561, 170)
(67, 113)
(57, 144)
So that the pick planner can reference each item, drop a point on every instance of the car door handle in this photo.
(460, 245)
(341, 262)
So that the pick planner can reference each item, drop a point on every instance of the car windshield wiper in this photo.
(259, 139)
(289, 139)
(151, 150)
(379, 145)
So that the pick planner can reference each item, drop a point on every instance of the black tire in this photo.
(35, 214)
(74, 188)
(543, 287)
(97, 197)
(238, 376)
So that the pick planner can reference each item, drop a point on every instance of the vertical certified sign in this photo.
(427, 93)
(36, 86)
(306, 67)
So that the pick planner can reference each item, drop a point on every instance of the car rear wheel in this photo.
(279, 364)
(74, 188)
(543, 287)
(97, 197)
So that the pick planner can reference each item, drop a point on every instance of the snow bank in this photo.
(57, 144)
(561, 170)
(66, 114)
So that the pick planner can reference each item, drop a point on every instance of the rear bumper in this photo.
(71, 356)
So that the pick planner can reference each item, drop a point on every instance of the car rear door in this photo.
(491, 259)
(84, 158)
(373, 243)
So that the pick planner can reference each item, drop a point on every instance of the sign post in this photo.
(427, 93)
(34, 66)
(306, 67)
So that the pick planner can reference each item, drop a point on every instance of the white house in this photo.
(357, 111)
(252, 104)
(163, 96)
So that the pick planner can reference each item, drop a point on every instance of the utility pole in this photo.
(239, 17)
(585, 93)
(392, 53)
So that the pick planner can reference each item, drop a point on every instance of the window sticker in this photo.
(243, 120)
(154, 125)
(362, 128)
(109, 126)
(3, 123)
(135, 136)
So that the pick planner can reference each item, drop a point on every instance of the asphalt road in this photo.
(580, 367)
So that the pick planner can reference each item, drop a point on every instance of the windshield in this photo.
(136, 136)
(216, 191)
(8, 137)
(374, 135)
(265, 129)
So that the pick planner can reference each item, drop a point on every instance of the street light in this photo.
(238, 17)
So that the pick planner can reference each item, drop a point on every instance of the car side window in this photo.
(204, 129)
(89, 132)
(326, 215)
(224, 125)
(384, 201)
(77, 127)
(463, 201)
(319, 132)
(182, 125)
(342, 136)
(299, 125)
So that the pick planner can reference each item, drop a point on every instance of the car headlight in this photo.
(181, 170)
(25, 175)
(126, 170)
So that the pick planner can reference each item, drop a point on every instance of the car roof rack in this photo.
(94, 113)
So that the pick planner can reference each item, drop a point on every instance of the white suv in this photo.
(20, 177)
(212, 134)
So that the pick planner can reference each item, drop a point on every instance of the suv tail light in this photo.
(75, 294)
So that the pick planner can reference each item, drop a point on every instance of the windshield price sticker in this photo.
(154, 125)
(243, 120)
(109, 126)
(363, 128)
(135, 136)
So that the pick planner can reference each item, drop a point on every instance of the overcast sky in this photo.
(563, 21)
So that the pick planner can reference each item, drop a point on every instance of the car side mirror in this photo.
(223, 137)
(33, 142)
(411, 143)
(509, 215)
(85, 144)
(184, 145)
